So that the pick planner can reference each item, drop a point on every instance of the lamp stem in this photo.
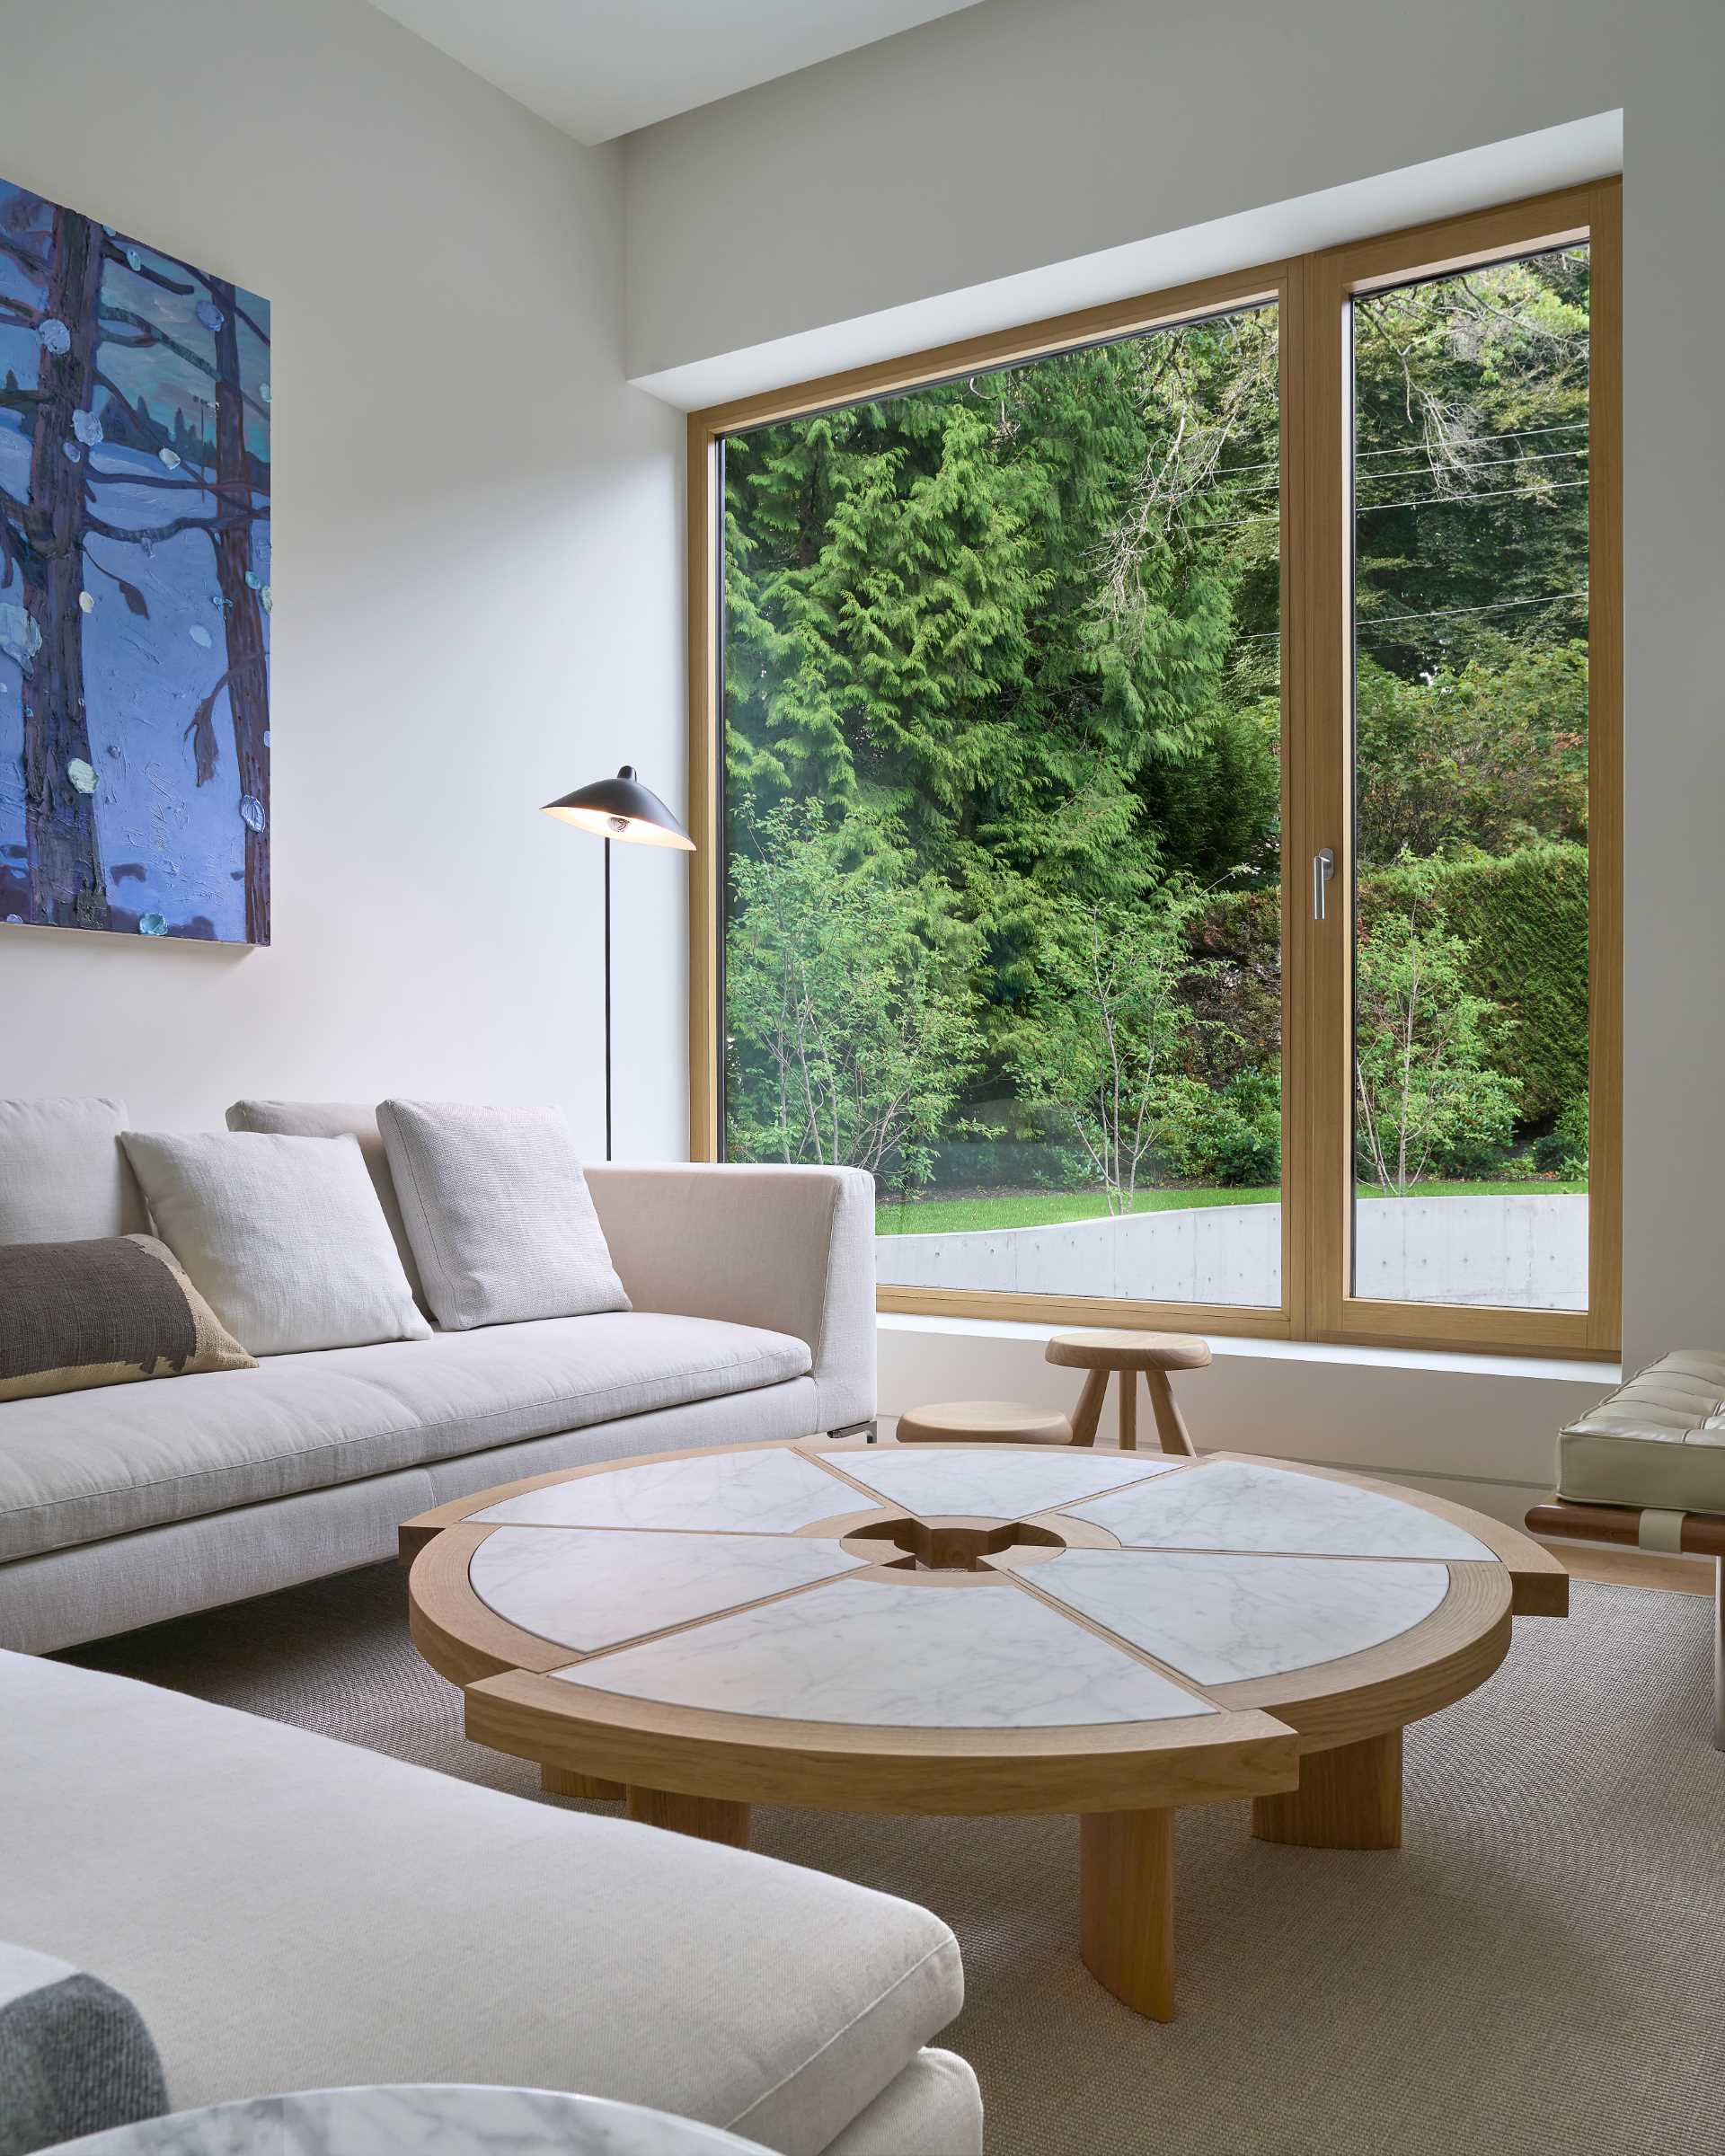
(607, 999)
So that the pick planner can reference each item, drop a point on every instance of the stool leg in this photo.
(1088, 1413)
(1169, 1428)
(1129, 1410)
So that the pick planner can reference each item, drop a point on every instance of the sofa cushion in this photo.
(84, 1465)
(1658, 1440)
(63, 1177)
(284, 1236)
(290, 1913)
(352, 1119)
(112, 1309)
(498, 1214)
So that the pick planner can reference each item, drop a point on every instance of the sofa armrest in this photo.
(789, 1249)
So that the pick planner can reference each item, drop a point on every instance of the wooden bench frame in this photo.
(1698, 1534)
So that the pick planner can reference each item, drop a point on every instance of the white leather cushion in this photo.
(1658, 1440)
(283, 1237)
(291, 1913)
(498, 1214)
(335, 1119)
(63, 1177)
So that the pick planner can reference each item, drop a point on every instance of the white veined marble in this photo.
(1226, 1505)
(915, 1656)
(1218, 1619)
(1002, 1481)
(591, 1587)
(434, 2121)
(767, 1492)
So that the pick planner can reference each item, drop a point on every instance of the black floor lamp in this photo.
(622, 809)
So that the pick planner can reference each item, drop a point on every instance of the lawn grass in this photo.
(1042, 1209)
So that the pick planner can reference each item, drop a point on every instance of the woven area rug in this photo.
(1542, 1968)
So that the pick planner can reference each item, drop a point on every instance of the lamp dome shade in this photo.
(624, 809)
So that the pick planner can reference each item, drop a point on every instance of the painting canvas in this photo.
(135, 593)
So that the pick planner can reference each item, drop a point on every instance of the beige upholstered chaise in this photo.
(1647, 1467)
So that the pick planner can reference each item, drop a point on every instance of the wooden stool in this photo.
(984, 1422)
(1155, 1353)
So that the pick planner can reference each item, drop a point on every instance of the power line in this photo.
(1439, 614)
(1432, 502)
(1486, 464)
(1434, 613)
(1510, 434)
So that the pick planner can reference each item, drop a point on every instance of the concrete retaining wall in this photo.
(1520, 1253)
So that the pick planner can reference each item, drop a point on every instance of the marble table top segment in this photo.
(594, 1587)
(1244, 1504)
(766, 1490)
(425, 2121)
(1219, 1619)
(982, 1654)
(998, 1482)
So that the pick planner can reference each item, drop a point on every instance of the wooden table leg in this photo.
(1350, 1797)
(564, 1781)
(1129, 1410)
(712, 1818)
(1128, 1891)
(1170, 1424)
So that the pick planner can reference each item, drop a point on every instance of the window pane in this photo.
(1471, 787)
(1002, 686)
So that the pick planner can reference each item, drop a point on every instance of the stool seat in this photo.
(1129, 1350)
(984, 1422)
(1103, 1355)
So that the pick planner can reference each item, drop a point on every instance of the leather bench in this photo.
(1646, 1468)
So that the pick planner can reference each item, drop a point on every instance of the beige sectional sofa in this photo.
(754, 1318)
(285, 1911)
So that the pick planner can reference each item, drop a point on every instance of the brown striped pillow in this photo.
(74, 1315)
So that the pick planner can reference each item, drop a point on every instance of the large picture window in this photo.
(1156, 783)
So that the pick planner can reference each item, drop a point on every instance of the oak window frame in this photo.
(1312, 294)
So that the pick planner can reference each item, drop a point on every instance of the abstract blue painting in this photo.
(135, 595)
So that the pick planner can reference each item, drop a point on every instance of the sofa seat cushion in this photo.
(1658, 1440)
(291, 1913)
(80, 1466)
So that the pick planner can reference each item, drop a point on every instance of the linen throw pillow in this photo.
(284, 1236)
(63, 1177)
(76, 1315)
(335, 1119)
(498, 1214)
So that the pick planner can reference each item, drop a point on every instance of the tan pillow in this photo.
(74, 1315)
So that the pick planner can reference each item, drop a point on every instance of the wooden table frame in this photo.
(1318, 1751)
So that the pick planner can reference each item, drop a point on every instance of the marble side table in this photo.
(972, 1629)
(425, 2121)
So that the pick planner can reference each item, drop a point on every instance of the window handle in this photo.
(1323, 867)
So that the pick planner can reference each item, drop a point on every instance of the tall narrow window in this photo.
(1471, 786)
(1002, 807)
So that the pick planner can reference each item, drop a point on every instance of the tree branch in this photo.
(112, 252)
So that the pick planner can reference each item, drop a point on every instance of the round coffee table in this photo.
(976, 1629)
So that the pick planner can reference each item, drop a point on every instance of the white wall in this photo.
(1479, 1429)
(476, 579)
(1018, 135)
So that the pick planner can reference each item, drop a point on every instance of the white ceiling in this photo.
(597, 68)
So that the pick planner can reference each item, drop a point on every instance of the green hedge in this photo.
(1525, 920)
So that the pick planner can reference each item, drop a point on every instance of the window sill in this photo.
(1570, 1371)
